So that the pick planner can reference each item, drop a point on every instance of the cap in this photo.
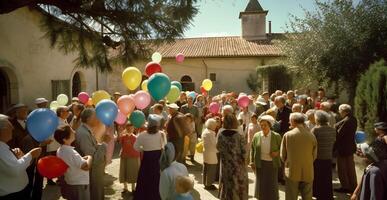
(75, 99)
(153, 120)
(381, 125)
(261, 101)
(40, 100)
(173, 106)
(264, 93)
(19, 105)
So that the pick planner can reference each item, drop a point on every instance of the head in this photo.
(290, 94)
(65, 135)
(278, 93)
(297, 108)
(62, 112)
(21, 111)
(211, 124)
(296, 120)
(254, 118)
(345, 110)
(190, 100)
(173, 109)
(183, 184)
(189, 117)
(41, 103)
(271, 112)
(158, 108)
(266, 122)
(227, 110)
(183, 96)
(230, 122)
(325, 106)
(75, 100)
(321, 92)
(266, 96)
(310, 115)
(116, 96)
(77, 109)
(321, 117)
(272, 97)
(380, 128)
(153, 124)
(302, 99)
(279, 102)
(89, 117)
(5, 129)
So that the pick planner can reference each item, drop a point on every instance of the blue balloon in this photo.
(106, 111)
(192, 94)
(178, 85)
(360, 137)
(137, 118)
(42, 123)
(159, 86)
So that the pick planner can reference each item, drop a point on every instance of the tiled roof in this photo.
(253, 6)
(233, 46)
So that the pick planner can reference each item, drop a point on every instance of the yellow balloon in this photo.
(144, 85)
(207, 84)
(99, 95)
(131, 77)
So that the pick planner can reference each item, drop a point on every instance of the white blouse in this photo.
(149, 142)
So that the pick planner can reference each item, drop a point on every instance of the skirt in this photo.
(209, 174)
(129, 168)
(148, 177)
(322, 183)
(266, 186)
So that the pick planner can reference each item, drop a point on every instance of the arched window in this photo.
(5, 98)
(187, 84)
(76, 84)
(186, 78)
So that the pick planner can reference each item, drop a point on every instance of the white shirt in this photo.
(74, 174)
(265, 147)
(209, 147)
(167, 179)
(13, 175)
(149, 142)
(54, 145)
(22, 123)
(245, 117)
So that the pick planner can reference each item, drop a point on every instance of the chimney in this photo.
(269, 27)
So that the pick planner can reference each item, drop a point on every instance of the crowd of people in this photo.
(284, 138)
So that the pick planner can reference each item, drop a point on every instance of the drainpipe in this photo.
(205, 68)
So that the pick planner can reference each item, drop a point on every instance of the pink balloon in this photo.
(214, 107)
(126, 104)
(243, 101)
(179, 57)
(141, 99)
(83, 97)
(121, 118)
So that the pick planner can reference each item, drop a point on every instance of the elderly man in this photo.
(177, 128)
(19, 124)
(283, 113)
(326, 106)
(86, 144)
(346, 147)
(298, 152)
(13, 165)
(41, 103)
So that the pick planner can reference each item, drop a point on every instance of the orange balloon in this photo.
(126, 104)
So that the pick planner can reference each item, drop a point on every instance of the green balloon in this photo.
(159, 86)
(178, 85)
(137, 118)
(173, 94)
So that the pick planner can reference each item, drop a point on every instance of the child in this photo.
(183, 186)
(192, 136)
(77, 175)
(129, 158)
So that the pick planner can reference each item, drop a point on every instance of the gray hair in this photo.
(280, 98)
(310, 112)
(3, 121)
(86, 114)
(211, 123)
(326, 105)
(345, 108)
(228, 108)
(297, 118)
(322, 117)
(296, 106)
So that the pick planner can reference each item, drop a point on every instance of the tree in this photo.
(338, 41)
(371, 96)
(104, 32)
(253, 82)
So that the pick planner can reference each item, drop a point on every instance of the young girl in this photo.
(192, 136)
(184, 185)
(129, 158)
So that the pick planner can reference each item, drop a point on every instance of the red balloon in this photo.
(202, 89)
(52, 167)
(151, 68)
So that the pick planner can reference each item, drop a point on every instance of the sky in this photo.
(221, 17)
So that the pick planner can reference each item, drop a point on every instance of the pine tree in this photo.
(371, 97)
(106, 32)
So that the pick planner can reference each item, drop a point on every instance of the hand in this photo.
(274, 154)
(18, 153)
(35, 153)
(106, 138)
(354, 196)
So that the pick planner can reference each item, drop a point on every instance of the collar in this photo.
(268, 135)
(67, 146)
(87, 127)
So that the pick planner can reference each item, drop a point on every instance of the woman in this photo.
(200, 104)
(76, 121)
(210, 159)
(232, 152)
(150, 143)
(326, 137)
(265, 159)
(311, 123)
(251, 131)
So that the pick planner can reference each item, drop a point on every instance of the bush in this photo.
(371, 97)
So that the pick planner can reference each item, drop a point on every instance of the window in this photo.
(77, 84)
(213, 76)
(60, 87)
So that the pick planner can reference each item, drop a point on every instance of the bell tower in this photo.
(253, 21)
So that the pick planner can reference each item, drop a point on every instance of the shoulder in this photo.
(275, 134)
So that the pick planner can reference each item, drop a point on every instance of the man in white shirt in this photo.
(13, 164)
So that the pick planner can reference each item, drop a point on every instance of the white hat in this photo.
(40, 100)
(261, 101)
(267, 118)
(173, 106)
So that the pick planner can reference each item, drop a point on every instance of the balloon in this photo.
(179, 57)
(192, 94)
(52, 167)
(62, 99)
(83, 97)
(214, 107)
(137, 118)
(204, 93)
(156, 57)
(141, 99)
(202, 89)
(173, 94)
(159, 86)
(121, 118)
(42, 123)
(106, 111)
(144, 85)
(54, 105)
(151, 68)
(89, 102)
(99, 95)
(126, 104)
(243, 101)
(360, 137)
(131, 77)
(207, 84)
(178, 85)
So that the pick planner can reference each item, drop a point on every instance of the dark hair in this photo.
(158, 106)
(62, 133)
(80, 107)
(153, 129)
(254, 115)
(230, 122)
(60, 110)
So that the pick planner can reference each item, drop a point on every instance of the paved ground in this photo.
(113, 188)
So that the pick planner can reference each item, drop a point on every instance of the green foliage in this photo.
(338, 41)
(371, 96)
(254, 82)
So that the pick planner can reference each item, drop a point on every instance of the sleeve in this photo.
(77, 160)
(164, 186)
(314, 148)
(15, 166)
(212, 142)
(283, 150)
(87, 147)
(137, 144)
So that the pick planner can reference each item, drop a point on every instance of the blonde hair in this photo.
(184, 183)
